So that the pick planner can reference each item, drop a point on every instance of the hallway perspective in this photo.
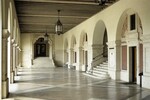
(67, 84)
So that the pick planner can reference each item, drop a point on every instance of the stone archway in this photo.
(129, 32)
(73, 53)
(83, 49)
(99, 46)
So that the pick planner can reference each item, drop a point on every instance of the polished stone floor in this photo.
(47, 83)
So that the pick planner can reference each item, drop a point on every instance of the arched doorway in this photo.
(41, 48)
(130, 29)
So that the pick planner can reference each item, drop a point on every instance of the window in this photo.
(132, 22)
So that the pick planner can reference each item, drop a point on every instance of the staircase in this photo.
(100, 71)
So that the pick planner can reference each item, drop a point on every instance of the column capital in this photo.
(71, 49)
(15, 45)
(5, 34)
(114, 43)
(18, 47)
(13, 41)
(80, 48)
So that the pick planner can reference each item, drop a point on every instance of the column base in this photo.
(145, 81)
(12, 77)
(5, 88)
(114, 74)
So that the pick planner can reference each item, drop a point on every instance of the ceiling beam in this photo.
(63, 2)
(52, 16)
(44, 24)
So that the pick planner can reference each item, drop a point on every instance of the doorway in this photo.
(40, 48)
(132, 64)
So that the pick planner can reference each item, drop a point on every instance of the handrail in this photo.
(100, 55)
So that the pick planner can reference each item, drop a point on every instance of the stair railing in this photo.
(95, 59)
(98, 57)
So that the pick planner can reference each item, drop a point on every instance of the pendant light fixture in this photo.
(46, 36)
(59, 26)
(101, 2)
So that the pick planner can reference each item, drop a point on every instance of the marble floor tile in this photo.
(50, 83)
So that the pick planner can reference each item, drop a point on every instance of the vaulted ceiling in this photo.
(37, 16)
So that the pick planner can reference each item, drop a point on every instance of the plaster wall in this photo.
(58, 51)
(26, 44)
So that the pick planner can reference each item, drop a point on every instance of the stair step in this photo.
(103, 65)
(100, 72)
(100, 75)
(106, 63)
(99, 67)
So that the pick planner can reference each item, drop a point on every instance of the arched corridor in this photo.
(104, 46)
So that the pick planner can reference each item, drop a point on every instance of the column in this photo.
(19, 57)
(14, 57)
(17, 60)
(5, 83)
(70, 58)
(114, 59)
(11, 64)
(79, 59)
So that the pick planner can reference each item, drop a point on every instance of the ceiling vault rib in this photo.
(62, 2)
(52, 16)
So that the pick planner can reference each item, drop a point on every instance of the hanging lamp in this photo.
(58, 26)
(46, 36)
(101, 2)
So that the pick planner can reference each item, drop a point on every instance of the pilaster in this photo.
(146, 61)
(114, 59)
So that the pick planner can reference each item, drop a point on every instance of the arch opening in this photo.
(100, 39)
(84, 51)
(129, 32)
